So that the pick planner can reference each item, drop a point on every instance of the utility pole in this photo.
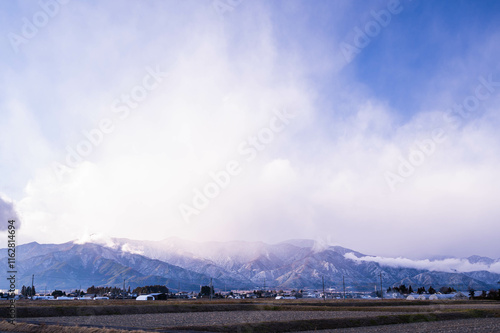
(32, 285)
(211, 289)
(323, 281)
(381, 289)
(123, 294)
(343, 284)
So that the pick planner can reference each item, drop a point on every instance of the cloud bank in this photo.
(157, 97)
(450, 265)
(107, 241)
(8, 212)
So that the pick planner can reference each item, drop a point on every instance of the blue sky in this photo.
(319, 145)
(423, 43)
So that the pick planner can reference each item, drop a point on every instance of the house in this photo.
(43, 297)
(393, 295)
(308, 294)
(87, 297)
(182, 295)
(159, 296)
(65, 298)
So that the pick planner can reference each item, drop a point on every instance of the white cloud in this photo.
(322, 176)
(8, 213)
(450, 265)
(131, 249)
(100, 239)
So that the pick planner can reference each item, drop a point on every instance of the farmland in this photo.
(255, 315)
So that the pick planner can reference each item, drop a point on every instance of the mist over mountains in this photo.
(186, 265)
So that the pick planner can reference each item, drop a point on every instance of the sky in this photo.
(370, 125)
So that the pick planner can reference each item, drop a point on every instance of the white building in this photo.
(451, 296)
(152, 297)
(421, 297)
(145, 298)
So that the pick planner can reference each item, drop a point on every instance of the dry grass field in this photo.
(260, 315)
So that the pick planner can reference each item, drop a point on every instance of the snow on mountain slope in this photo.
(291, 264)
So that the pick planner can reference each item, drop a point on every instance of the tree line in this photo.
(492, 294)
(151, 289)
(28, 291)
(116, 291)
(105, 290)
(402, 289)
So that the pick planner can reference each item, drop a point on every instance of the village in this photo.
(152, 293)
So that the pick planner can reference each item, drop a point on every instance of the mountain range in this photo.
(185, 265)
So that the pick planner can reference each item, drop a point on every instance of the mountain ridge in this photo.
(186, 265)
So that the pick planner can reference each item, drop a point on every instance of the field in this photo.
(255, 316)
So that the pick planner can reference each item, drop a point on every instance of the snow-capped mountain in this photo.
(187, 265)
